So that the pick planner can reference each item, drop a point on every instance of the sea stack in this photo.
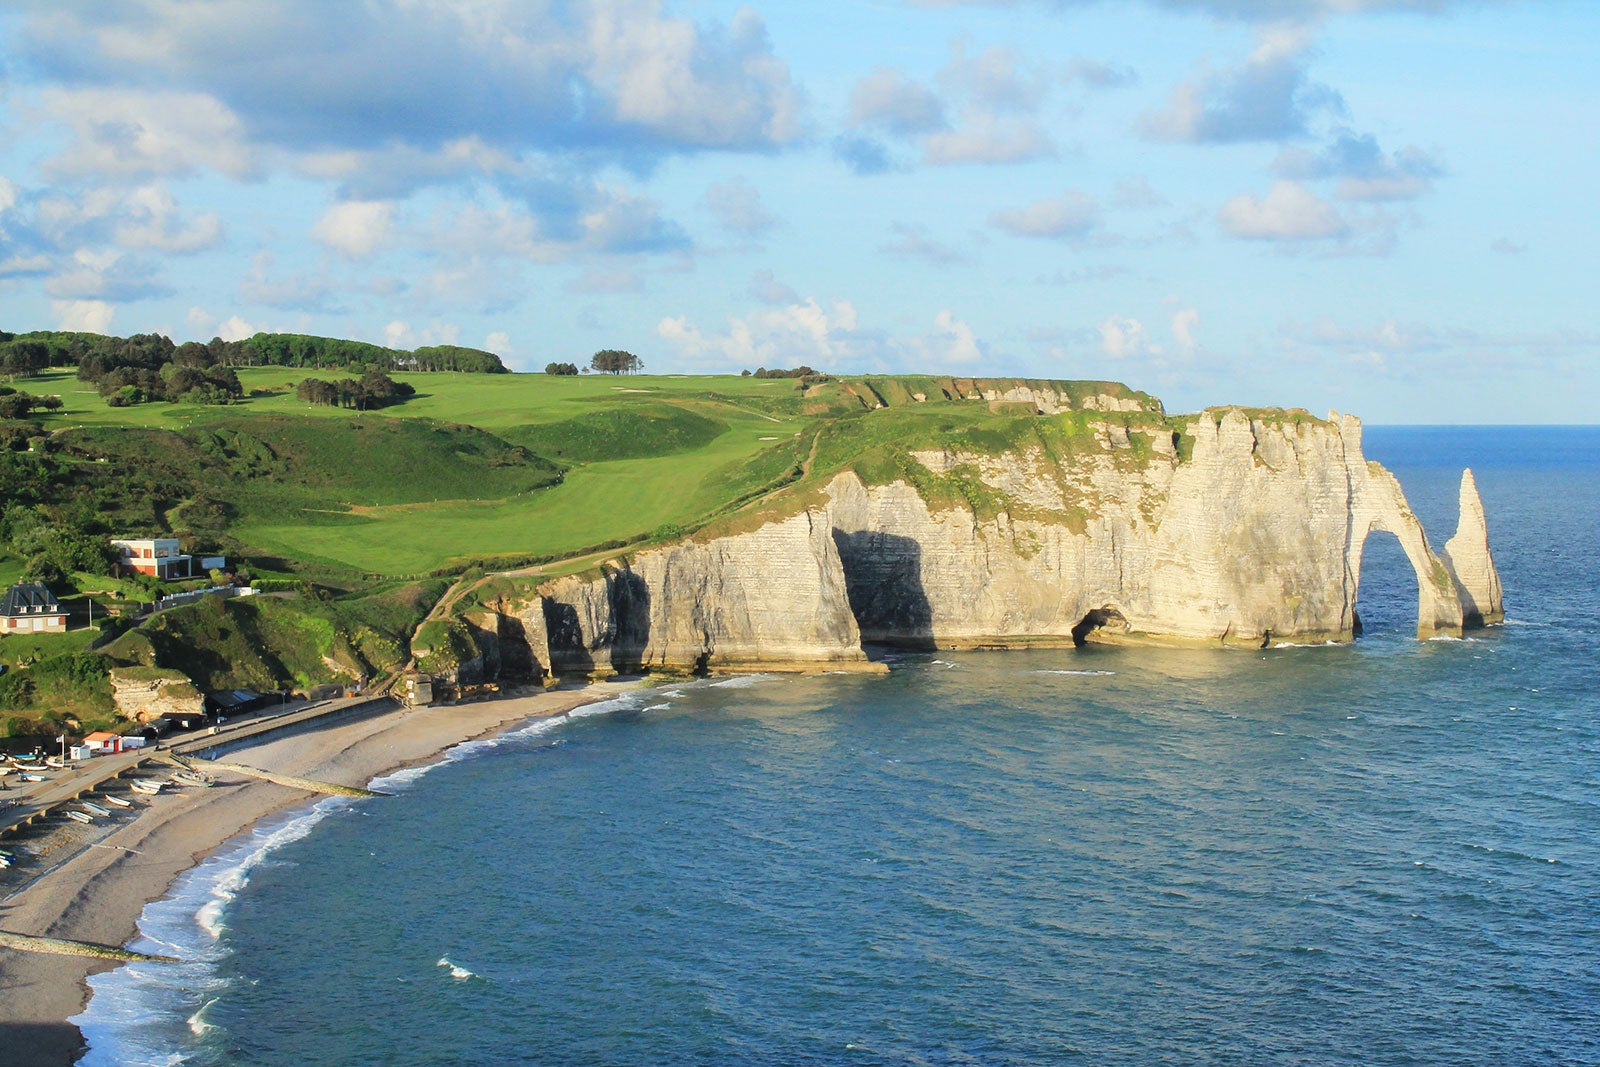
(1471, 563)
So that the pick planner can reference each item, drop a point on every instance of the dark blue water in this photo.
(1376, 854)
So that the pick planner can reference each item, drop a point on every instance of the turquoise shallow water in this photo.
(1376, 854)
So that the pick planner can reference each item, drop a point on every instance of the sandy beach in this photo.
(97, 892)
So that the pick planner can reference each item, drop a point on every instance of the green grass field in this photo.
(380, 503)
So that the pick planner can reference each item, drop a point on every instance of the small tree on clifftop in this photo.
(615, 361)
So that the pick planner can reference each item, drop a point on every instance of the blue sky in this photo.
(1380, 206)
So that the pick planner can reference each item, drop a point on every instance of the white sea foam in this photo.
(134, 1012)
(461, 974)
(740, 681)
(399, 780)
(197, 1022)
(1086, 674)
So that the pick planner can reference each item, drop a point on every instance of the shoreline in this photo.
(99, 892)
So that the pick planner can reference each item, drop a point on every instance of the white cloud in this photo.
(1364, 172)
(1268, 11)
(737, 207)
(498, 342)
(887, 100)
(1071, 216)
(88, 316)
(105, 275)
(1183, 327)
(1289, 212)
(796, 333)
(1268, 98)
(992, 80)
(952, 342)
(233, 328)
(356, 228)
(399, 334)
(767, 289)
(827, 337)
(1126, 338)
(913, 242)
(987, 138)
(150, 219)
(1135, 192)
(256, 82)
(119, 134)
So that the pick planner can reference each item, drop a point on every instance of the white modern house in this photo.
(163, 557)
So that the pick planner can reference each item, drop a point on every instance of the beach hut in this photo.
(104, 742)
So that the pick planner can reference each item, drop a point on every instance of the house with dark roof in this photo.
(30, 608)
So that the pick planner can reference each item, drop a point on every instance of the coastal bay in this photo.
(98, 893)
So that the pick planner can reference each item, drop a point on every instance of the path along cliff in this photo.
(1233, 528)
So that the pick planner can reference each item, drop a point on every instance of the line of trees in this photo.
(305, 350)
(561, 368)
(375, 389)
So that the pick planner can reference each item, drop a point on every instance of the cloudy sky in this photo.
(1380, 206)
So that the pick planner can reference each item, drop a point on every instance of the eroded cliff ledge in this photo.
(1230, 527)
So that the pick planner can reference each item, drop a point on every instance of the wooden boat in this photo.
(121, 802)
(194, 778)
(56, 762)
(31, 776)
(80, 816)
(146, 786)
(95, 809)
(30, 765)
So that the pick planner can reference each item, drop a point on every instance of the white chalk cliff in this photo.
(1238, 529)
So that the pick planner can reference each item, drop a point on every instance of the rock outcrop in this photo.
(1471, 565)
(146, 693)
(770, 599)
(1236, 529)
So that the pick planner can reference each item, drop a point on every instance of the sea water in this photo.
(1381, 853)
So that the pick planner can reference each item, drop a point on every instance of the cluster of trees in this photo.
(148, 366)
(15, 404)
(375, 389)
(22, 358)
(615, 361)
(561, 368)
(801, 371)
(304, 350)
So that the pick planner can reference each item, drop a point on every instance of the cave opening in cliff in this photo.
(1095, 620)
(1386, 591)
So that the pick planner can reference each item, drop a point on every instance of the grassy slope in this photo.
(696, 463)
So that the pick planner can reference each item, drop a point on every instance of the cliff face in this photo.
(1235, 530)
(1254, 537)
(773, 599)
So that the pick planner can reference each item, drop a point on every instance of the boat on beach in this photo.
(80, 816)
(121, 802)
(57, 763)
(30, 765)
(32, 776)
(195, 778)
(96, 809)
(146, 786)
